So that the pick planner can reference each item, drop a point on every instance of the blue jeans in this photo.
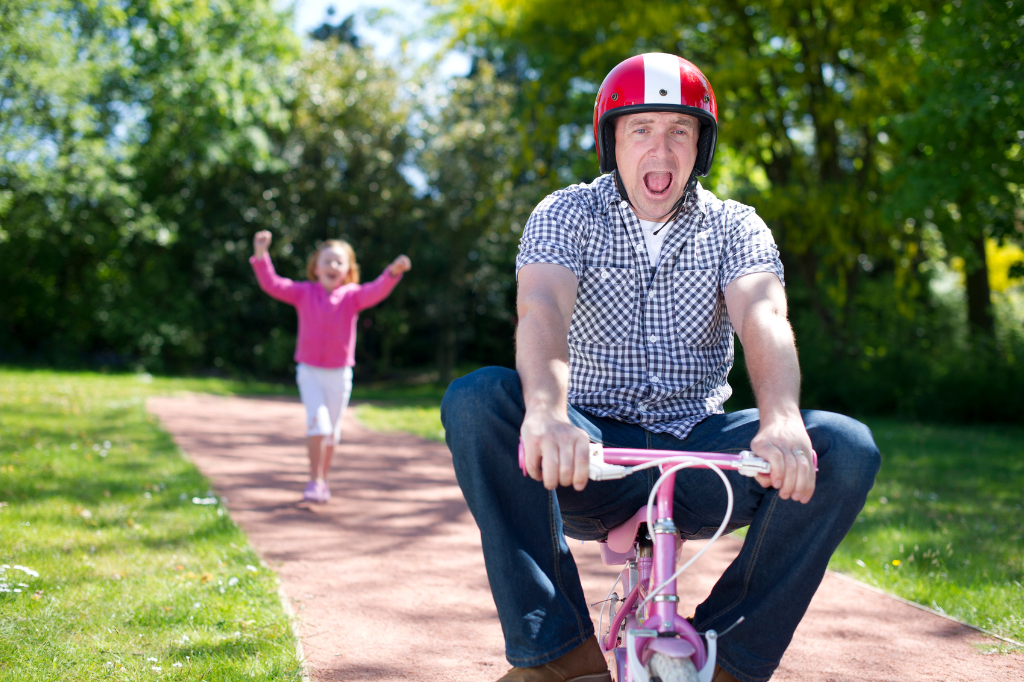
(533, 577)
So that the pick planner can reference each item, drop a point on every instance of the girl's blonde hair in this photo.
(353, 267)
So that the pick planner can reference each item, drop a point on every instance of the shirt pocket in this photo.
(698, 309)
(605, 306)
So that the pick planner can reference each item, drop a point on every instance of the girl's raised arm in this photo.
(374, 292)
(281, 288)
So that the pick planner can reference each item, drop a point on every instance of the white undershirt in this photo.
(654, 241)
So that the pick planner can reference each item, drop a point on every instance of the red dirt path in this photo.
(388, 582)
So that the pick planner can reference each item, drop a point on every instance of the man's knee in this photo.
(848, 456)
(479, 394)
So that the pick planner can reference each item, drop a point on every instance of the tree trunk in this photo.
(979, 297)
(446, 354)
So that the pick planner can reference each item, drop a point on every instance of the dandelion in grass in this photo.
(232, 581)
(176, 664)
(252, 568)
(151, 659)
(157, 668)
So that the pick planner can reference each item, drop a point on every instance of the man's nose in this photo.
(660, 148)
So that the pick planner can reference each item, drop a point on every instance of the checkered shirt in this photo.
(649, 347)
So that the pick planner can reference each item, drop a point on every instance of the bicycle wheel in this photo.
(666, 669)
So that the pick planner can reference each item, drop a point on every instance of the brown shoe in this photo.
(722, 676)
(585, 663)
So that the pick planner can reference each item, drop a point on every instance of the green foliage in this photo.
(98, 501)
(961, 164)
(123, 111)
(475, 212)
(130, 190)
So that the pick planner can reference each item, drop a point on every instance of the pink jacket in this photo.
(327, 321)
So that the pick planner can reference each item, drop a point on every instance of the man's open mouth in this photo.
(658, 182)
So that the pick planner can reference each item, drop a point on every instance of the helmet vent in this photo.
(663, 92)
(615, 96)
(707, 98)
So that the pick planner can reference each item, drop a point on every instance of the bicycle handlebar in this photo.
(612, 463)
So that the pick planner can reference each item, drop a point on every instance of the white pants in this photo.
(325, 393)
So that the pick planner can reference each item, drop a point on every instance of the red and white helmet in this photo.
(655, 82)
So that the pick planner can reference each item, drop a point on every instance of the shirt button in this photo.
(641, 408)
(639, 248)
(604, 274)
(623, 204)
(652, 338)
(654, 379)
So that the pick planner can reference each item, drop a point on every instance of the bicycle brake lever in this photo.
(601, 470)
(751, 465)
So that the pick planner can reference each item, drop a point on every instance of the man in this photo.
(630, 289)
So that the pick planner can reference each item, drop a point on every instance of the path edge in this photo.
(293, 622)
(940, 614)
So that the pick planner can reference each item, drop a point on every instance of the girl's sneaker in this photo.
(324, 491)
(312, 492)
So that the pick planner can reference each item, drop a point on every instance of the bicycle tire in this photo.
(668, 669)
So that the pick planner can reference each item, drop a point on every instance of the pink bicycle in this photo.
(648, 641)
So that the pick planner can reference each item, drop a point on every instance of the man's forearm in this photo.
(770, 353)
(542, 359)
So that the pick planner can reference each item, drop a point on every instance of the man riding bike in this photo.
(629, 291)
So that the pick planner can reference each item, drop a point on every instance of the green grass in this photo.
(97, 500)
(414, 409)
(943, 527)
(944, 524)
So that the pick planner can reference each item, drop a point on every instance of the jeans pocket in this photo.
(698, 306)
(605, 306)
(583, 528)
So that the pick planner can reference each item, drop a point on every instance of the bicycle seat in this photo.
(617, 548)
(622, 536)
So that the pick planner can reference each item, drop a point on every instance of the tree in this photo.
(962, 166)
(475, 211)
(124, 111)
(65, 189)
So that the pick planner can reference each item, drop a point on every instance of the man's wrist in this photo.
(779, 414)
(560, 413)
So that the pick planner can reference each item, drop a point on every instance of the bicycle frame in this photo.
(646, 624)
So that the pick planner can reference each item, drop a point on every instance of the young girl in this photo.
(328, 307)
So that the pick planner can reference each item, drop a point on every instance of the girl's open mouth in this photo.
(658, 182)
